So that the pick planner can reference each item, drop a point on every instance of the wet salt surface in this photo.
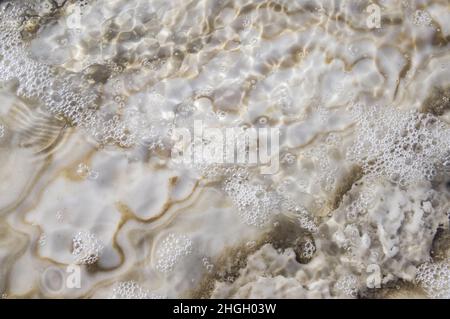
(94, 205)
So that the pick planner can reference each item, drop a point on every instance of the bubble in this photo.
(246, 21)
(87, 248)
(93, 175)
(42, 239)
(85, 172)
(348, 285)
(250, 244)
(59, 215)
(263, 120)
(401, 146)
(422, 18)
(308, 249)
(221, 114)
(82, 170)
(255, 204)
(53, 280)
(207, 264)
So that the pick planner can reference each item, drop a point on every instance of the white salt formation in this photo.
(94, 96)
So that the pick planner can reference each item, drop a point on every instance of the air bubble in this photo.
(87, 248)
(132, 290)
(171, 250)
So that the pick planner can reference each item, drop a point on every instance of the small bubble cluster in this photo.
(308, 249)
(65, 95)
(85, 171)
(359, 206)
(291, 208)
(87, 248)
(59, 215)
(333, 139)
(255, 204)
(435, 279)
(171, 250)
(288, 159)
(400, 146)
(348, 285)
(207, 264)
(328, 172)
(422, 18)
(446, 162)
(131, 290)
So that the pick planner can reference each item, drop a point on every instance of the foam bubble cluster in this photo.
(257, 204)
(171, 250)
(87, 248)
(348, 285)
(403, 147)
(435, 279)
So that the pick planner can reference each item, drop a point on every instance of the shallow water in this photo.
(352, 199)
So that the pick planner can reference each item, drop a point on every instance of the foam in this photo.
(131, 290)
(92, 91)
(171, 250)
(422, 18)
(86, 248)
(435, 279)
(348, 285)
